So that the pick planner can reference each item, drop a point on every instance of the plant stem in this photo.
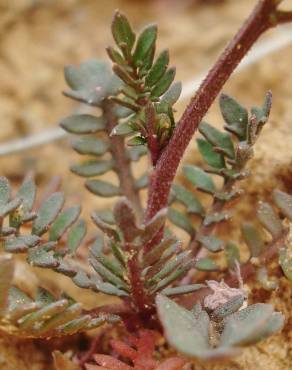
(122, 162)
(263, 17)
(140, 298)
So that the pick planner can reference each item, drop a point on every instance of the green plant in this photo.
(134, 256)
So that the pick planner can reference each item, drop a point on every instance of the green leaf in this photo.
(216, 218)
(123, 128)
(106, 215)
(210, 242)
(63, 222)
(218, 139)
(269, 219)
(145, 42)
(106, 228)
(136, 140)
(10, 207)
(20, 304)
(234, 115)
(90, 145)
(182, 289)
(158, 69)
(122, 31)
(188, 199)
(21, 243)
(83, 124)
(47, 213)
(250, 325)
(102, 188)
(212, 158)
(110, 264)
(283, 202)
(178, 273)
(170, 266)
(91, 82)
(27, 192)
(206, 264)
(228, 308)
(115, 56)
(199, 178)
(262, 114)
(264, 280)
(157, 251)
(286, 261)
(136, 152)
(187, 333)
(180, 220)
(5, 191)
(232, 254)
(253, 239)
(172, 94)
(72, 312)
(106, 274)
(163, 84)
(75, 235)
(44, 313)
(92, 168)
(6, 276)
(39, 257)
(44, 296)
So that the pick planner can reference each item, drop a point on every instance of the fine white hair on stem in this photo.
(281, 38)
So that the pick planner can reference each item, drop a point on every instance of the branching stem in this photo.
(123, 166)
(264, 16)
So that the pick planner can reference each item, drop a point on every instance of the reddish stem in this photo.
(263, 17)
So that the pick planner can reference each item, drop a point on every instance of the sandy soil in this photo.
(38, 37)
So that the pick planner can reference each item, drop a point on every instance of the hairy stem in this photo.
(122, 161)
(140, 299)
(263, 17)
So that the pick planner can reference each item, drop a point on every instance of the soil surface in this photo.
(39, 37)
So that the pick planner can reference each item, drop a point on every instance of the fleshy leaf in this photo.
(6, 276)
(206, 264)
(172, 94)
(234, 115)
(47, 213)
(122, 31)
(145, 43)
(188, 198)
(27, 192)
(83, 124)
(286, 261)
(90, 145)
(251, 324)
(210, 242)
(283, 202)
(102, 188)
(199, 178)
(269, 219)
(164, 83)
(158, 69)
(5, 191)
(180, 220)
(211, 157)
(218, 139)
(63, 222)
(92, 168)
(253, 239)
(76, 235)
